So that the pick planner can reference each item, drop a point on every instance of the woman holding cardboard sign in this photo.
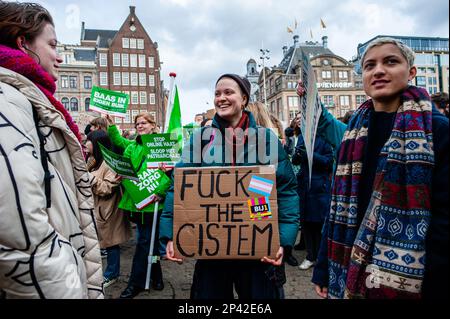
(253, 279)
(134, 150)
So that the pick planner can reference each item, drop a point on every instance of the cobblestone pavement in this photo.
(178, 278)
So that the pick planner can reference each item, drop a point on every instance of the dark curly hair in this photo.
(22, 19)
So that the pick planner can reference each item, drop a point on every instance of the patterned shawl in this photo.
(384, 257)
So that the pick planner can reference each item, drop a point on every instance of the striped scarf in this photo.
(384, 257)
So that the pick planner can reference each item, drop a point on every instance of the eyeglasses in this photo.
(141, 123)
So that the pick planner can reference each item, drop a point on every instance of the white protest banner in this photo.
(310, 110)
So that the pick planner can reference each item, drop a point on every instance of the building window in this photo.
(293, 101)
(88, 82)
(360, 99)
(140, 44)
(152, 98)
(141, 60)
(134, 97)
(421, 70)
(344, 100)
(117, 120)
(103, 78)
(151, 80)
(143, 97)
(292, 114)
(134, 79)
(421, 81)
(132, 43)
(343, 75)
(116, 78)
(64, 81)
(151, 62)
(73, 82)
(328, 100)
(326, 74)
(133, 60)
(74, 104)
(127, 118)
(125, 59)
(125, 78)
(65, 103)
(103, 57)
(87, 101)
(134, 113)
(142, 79)
(125, 43)
(431, 81)
(116, 59)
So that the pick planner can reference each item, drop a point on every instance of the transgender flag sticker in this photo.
(261, 186)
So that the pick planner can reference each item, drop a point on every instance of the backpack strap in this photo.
(44, 161)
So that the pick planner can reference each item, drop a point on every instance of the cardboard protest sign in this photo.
(120, 165)
(150, 183)
(108, 102)
(225, 212)
(161, 148)
(84, 119)
(310, 110)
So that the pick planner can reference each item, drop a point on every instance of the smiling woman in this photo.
(232, 126)
(47, 234)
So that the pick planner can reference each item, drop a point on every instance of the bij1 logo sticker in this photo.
(259, 208)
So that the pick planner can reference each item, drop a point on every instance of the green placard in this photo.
(161, 148)
(150, 183)
(119, 164)
(108, 102)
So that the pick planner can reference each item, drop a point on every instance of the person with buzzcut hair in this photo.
(386, 235)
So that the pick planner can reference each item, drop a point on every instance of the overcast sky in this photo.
(202, 39)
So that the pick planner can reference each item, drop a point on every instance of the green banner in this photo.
(151, 182)
(108, 102)
(119, 164)
(161, 148)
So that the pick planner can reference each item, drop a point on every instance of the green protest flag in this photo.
(108, 102)
(175, 125)
(151, 182)
(162, 148)
(120, 165)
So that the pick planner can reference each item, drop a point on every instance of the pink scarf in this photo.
(19, 62)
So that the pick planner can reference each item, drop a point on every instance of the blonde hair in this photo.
(278, 126)
(261, 114)
(149, 118)
(406, 51)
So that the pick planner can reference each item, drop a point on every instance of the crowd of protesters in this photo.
(373, 206)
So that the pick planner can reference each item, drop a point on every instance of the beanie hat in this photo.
(243, 83)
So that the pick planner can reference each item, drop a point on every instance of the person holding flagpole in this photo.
(252, 279)
(135, 150)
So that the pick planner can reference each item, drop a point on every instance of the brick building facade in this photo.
(128, 61)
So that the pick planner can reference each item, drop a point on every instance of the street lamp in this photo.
(263, 57)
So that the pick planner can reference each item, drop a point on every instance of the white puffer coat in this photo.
(44, 252)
